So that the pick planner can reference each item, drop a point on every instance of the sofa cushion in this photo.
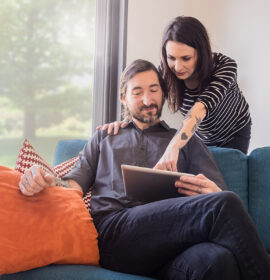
(28, 156)
(234, 168)
(52, 226)
(67, 149)
(72, 272)
(259, 192)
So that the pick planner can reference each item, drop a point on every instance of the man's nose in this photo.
(147, 99)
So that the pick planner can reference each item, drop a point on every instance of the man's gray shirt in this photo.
(99, 164)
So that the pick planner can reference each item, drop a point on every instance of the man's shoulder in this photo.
(101, 135)
(98, 136)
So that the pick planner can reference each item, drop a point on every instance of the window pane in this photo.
(46, 74)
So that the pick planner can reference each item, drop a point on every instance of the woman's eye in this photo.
(186, 58)
(136, 92)
(170, 57)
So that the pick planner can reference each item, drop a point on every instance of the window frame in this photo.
(109, 60)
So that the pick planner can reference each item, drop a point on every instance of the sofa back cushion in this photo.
(233, 165)
(67, 149)
(259, 192)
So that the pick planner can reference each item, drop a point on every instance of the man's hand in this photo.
(34, 180)
(194, 185)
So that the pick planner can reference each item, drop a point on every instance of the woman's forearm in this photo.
(191, 123)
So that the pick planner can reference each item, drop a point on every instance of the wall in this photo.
(239, 29)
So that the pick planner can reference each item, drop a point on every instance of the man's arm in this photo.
(35, 179)
(81, 176)
(67, 184)
(197, 159)
(85, 169)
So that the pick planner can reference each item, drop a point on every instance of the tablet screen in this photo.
(147, 184)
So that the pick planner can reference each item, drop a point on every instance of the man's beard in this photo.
(151, 117)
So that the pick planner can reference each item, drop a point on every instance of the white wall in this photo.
(239, 29)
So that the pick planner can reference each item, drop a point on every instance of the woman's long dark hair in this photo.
(190, 31)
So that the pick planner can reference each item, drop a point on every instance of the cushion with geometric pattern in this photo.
(28, 156)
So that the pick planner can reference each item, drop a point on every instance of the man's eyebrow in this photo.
(154, 85)
(136, 88)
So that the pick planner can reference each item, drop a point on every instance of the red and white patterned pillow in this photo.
(28, 156)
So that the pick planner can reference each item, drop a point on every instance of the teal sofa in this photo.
(247, 176)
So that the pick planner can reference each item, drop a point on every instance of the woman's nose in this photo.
(178, 66)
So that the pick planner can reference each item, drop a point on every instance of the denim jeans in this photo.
(198, 237)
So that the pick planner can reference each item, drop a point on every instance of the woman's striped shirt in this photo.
(227, 109)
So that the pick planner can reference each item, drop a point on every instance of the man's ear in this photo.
(123, 100)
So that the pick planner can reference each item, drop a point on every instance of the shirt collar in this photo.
(162, 124)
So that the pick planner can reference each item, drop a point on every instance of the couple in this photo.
(204, 233)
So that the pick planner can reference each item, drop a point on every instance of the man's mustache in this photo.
(152, 106)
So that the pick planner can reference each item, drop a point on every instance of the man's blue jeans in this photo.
(198, 237)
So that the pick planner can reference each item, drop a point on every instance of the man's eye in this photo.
(136, 92)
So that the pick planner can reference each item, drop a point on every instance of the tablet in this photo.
(148, 184)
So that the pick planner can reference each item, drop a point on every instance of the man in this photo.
(203, 234)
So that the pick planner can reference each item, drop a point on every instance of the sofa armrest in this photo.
(259, 192)
(233, 165)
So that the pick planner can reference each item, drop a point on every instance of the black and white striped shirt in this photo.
(226, 107)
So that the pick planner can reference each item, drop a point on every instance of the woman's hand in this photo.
(190, 124)
(113, 127)
(169, 159)
(194, 185)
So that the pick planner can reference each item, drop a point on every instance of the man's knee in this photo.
(228, 199)
(219, 263)
(203, 261)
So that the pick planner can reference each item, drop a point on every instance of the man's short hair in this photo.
(138, 66)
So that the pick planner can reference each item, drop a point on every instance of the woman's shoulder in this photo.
(222, 59)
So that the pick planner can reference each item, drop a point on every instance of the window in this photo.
(46, 74)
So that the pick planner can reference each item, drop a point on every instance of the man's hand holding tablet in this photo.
(194, 185)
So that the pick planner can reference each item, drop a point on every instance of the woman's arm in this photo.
(223, 80)
(190, 124)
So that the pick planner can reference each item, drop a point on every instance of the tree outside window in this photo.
(46, 73)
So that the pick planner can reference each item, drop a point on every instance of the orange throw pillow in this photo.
(51, 227)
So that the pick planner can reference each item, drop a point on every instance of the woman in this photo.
(203, 86)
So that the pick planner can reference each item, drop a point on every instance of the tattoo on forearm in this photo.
(184, 136)
(196, 125)
(61, 183)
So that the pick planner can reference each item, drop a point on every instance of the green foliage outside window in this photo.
(46, 71)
